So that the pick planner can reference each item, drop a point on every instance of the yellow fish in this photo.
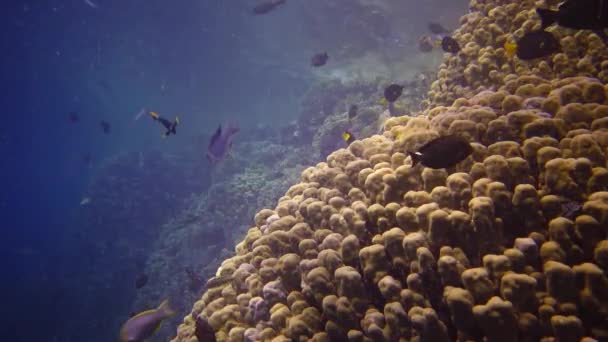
(146, 323)
(348, 137)
(510, 49)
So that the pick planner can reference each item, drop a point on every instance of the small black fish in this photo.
(449, 44)
(535, 44)
(578, 15)
(203, 330)
(267, 6)
(352, 111)
(105, 126)
(319, 59)
(443, 152)
(437, 28)
(348, 137)
(392, 92)
(73, 117)
(141, 280)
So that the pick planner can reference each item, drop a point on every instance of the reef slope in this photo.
(511, 244)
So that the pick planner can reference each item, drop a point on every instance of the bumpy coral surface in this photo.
(483, 64)
(510, 244)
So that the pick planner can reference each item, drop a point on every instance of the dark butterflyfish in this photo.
(169, 126)
(352, 111)
(320, 59)
(221, 143)
(141, 280)
(348, 137)
(203, 330)
(267, 6)
(105, 126)
(532, 45)
(437, 28)
(443, 152)
(449, 44)
(73, 117)
(392, 92)
(146, 323)
(578, 15)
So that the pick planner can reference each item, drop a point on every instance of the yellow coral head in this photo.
(510, 49)
(383, 101)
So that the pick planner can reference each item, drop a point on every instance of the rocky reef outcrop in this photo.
(510, 244)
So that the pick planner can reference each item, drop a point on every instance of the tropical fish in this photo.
(443, 152)
(579, 15)
(73, 117)
(267, 6)
(352, 111)
(105, 126)
(218, 280)
(392, 92)
(220, 143)
(141, 280)
(449, 44)
(319, 59)
(348, 137)
(437, 28)
(203, 330)
(146, 323)
(535, 44)
(170, 126)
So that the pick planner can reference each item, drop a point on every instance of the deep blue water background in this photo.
(104, 63)
(206, 60)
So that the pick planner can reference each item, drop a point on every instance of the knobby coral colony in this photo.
(368, 248)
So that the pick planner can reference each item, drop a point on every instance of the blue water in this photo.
(207, 61)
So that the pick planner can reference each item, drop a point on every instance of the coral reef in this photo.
(130, 195)
(483, 64)
(255, 177)
(324, 114)
(510, 244)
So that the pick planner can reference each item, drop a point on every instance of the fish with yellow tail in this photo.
(535, 44)
(145, 324)
(169, 126)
